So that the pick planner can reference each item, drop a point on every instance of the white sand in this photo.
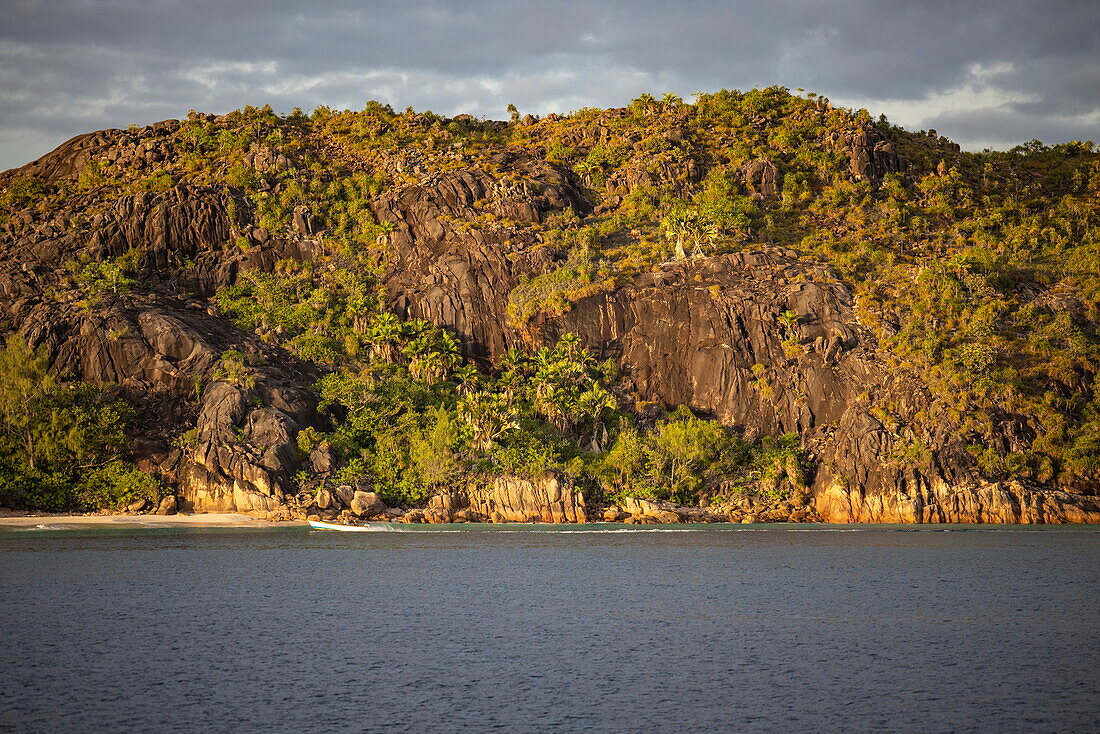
(211, 520)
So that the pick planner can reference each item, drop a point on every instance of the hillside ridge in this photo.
(464, 317)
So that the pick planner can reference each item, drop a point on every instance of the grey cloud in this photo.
(1003, 127)
(1027, 69)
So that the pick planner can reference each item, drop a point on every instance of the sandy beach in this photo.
(211, 520)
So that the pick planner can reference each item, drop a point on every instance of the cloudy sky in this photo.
(986, 73)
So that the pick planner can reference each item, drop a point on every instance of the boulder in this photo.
(551, 498)
(366, 504)
(762, 177)
(138, 506)
(321, 459)
(168, 506)
(343, 494)
(436, 517)
(659, 511)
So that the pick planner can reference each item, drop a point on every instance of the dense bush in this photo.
(553, 408)
(61, 444)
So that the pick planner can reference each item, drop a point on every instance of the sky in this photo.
(985, 73)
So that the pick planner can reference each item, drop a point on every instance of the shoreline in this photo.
(238, 520)
(198, 520)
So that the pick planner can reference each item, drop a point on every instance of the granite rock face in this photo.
(871, 154)
(762, 178)
(160, 344)
(549, 499)
(938, 501)
(461, 278)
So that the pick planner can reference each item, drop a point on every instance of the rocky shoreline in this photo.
(553, 499)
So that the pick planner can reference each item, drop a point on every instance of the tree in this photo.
(789, 319)
(679, 226)
(510, 383)
(625, 463)
(551, 401)
(233, 367)
(685, 444)
(711, 230)
(433, 454)
(61, 444)
(25, 387)
(487, 417)
(569, 347)
(592, 403)
(468, 378)
(384, 333)
(645, 102)
(515, 360)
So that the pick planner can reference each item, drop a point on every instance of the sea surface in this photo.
(551, 629)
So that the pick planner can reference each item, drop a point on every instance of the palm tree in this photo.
(415, 327)
(678, 226)
(789, 319)
(547, 398)
(592, 403)
(427, 366)
(672, 100)
(510, 382)
(383, 334)
(542, 359)
(488, 418)
(645, 102)
(468, 379)
(450, 350)
(514, 360)
(383, 237)
(569, 345)
(712, 231)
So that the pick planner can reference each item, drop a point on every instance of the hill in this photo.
(757, 304)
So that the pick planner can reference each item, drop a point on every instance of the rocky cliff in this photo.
(456, 235)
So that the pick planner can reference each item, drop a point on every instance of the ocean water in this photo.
(547, 629)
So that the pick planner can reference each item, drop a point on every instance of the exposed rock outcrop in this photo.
(462, 278)
(941, 502)
(244, 453)
(160, 347)
(762, 178)
(550, 499)
(871, 154)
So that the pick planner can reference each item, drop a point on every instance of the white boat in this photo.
(318, 525)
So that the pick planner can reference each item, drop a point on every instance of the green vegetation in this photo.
(409, 431)
(96, 277)
(24, 190)
(582, 274)
(61, 444)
